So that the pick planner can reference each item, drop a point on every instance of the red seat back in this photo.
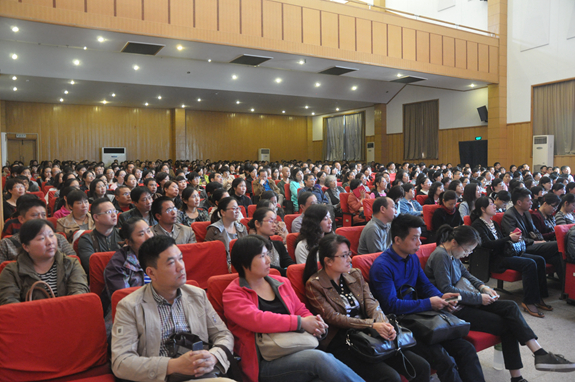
(290, 241)
(204, 260)
(364, 263)
(245, 222)
(560, 235)
(347, 189)
(46, 188)
(295, 276)
(287, 191)
(498, 218)
(251, 210)
(98, 262)
(200, 229)
(428, 211)
(243, 211)
(352, 234)
(467, 220)
(53, 220)
(52, 338)
(277, 181)
(420, 199)
(5, 263)
(288, 219)
(424, 252)
(216, 287)
(39, 194)
(368, 208)
(343, 202)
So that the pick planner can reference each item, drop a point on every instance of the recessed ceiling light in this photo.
(199, 100)
(136, 67)
(159, 97)
(234, 77)
(283, 111)
(312, 113)
(301, 62)
(61, 99)
(72, 82)
(238, 102)
(14, 78)
(14, 56)
(179, 47)
(472, 85)
(278, 80)
(252, 110)
(306, 106)
(183, 106)
(146, 104)
(76, 62)
(15, 29)
(399, 75)
(354, 88)
(104, 102)
(337, 109)
(113, 94)
(85, 47)
(14, 88)
(209, 60)
(65, 91)
(100, 39)
(317, 84)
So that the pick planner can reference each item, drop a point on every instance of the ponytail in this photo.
(311, 267)
(462, 234)
(327, 247)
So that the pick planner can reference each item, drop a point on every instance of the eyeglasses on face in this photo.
(109, 212)
(346, 255)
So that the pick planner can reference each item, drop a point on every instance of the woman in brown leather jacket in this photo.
(342, 297)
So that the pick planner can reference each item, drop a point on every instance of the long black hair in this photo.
(310, 230)
(462, 234)
(327, 247)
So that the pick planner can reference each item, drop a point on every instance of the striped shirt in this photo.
(172, 318)
(50, 278)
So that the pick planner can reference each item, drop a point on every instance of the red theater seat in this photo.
(204, 260)
(352, 234)
(201, 229)
(295, 276)
(561, 235)
(98, 262)
(290, 242)
(364, 263)
(288, 219)
(368, 208)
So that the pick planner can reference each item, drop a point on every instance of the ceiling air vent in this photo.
(337, 70)
(142, 48)
(248, 59)
(409, 79)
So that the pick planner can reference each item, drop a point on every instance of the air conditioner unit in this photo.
(543, 150)
(110, 154)
(264, 155)
(370, 152)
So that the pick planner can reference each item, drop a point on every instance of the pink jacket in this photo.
(244, 319)
(62, 213)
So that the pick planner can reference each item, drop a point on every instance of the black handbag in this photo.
(180, 343)
(432, 327)
(372, 348)
(514, 249)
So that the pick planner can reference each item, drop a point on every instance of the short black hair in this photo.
(504, 196)
(75, 196)
(31, 228)
(558, 186)
(551, 199)
(27, 201)
(303, 197)
(95, 207)
(212, 186)
(407, 187)
(148, 180)
(244, 251)
(380, 202)
(519, 194)
(157, 205)
(150, 250)
(401, 224)
(137, 193)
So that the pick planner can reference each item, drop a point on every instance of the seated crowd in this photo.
(59, 214)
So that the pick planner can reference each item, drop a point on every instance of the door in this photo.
(21, 149)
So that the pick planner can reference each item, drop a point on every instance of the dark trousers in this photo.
(385, 371)
(503, 319)
(454, 360)
(551, 254)
(532, 268)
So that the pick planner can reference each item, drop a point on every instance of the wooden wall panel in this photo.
(329, 30)
(347, 33)
(156, 11)
(493, 59)
(472, 55)
(101, 7)
(394, 41)
(379, 38)
(206, 14)
(436, 49)
(238, 136)
(251, 20)
(131, 9)
(448, 51)
(272, 20)
(461, 53)
(395, 147)
(364, 36)
(292, 23)
(228, 17)
(422, 46)
(520, 137)
(73, 5)
(79, 132)
(483, 55)
(182, 12)
(449, 142)
(317, 153)
(408, 44)
(311, 30)
(44, 3)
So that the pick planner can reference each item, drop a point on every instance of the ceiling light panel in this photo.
(337, 70)
(142, 48)
(250, 60)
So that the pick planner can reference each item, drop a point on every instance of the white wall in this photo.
(317, 122)
(470, 13)
(553, 33)
(456, 109)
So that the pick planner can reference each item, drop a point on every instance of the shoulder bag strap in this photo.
(40, 286)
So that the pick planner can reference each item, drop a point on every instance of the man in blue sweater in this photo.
(455, 360)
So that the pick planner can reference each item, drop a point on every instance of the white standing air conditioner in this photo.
(370, 152)
(543, 150)
(110, 154)
(264, 155)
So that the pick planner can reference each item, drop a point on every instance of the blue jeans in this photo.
(306, 365)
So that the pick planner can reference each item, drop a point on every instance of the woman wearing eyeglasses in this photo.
(225, 226)
(480, 305)
(342, 297)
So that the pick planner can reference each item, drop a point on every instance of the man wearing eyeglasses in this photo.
(142, 199)
(164, 210)
(122, 199)
(105, 237)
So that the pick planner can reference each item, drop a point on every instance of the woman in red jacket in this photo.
(258, 303)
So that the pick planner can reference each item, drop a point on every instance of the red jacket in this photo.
(244, 319)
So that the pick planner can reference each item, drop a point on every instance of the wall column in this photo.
(380, 130)
(179, 144)
(497, 93)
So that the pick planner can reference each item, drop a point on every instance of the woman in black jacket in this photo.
(532, 267)
(238, 192)
(447, 213)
